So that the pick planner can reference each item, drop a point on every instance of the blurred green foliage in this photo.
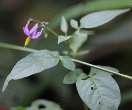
(115, 39)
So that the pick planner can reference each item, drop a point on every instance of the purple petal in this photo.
(38, 34)
(26, 32)
(34, 33)
(25, 29)
(34, 28)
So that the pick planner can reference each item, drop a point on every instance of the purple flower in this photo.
(31, 33)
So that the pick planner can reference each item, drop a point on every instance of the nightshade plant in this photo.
(97, 89)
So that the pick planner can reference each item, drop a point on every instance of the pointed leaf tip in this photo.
(32, 64)
(99, 18)
(64, 25)
(5, 84)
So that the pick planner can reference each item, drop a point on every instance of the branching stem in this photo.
(51, 31)
(103, 69)
(14, 47)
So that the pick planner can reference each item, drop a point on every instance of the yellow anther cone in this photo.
(27, 41)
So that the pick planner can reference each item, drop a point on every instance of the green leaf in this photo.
(67, 62)
(72, 76)
(64, 25)
(32, 64)
(74, 23)
(99, 18)
(44, 104)
(63, 38)
(77, 41)
(84, 8)
(99, 91)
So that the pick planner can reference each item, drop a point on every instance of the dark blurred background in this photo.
(111, 46)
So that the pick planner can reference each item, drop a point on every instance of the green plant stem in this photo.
(14, 47)
(91, 65)
(51, 31)
(10, 46)
(103, 69)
